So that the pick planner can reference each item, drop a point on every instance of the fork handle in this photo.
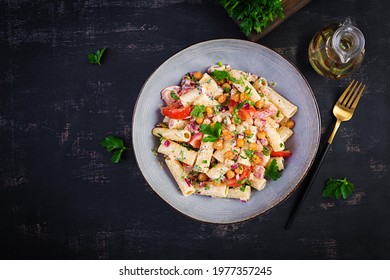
(313, 173)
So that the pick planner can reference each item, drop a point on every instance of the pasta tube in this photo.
(176, 151)
(180, 135)
(180, 176)
(210, 189)
(239, 193)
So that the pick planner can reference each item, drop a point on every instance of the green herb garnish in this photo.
(266, 151)
(174, 95)
(94, 58)
(272, 171)
(113, 144)
(254, 15)
(213, 133)
(220, 75)
(337, 188)
(198, 111)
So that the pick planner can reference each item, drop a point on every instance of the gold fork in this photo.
(343, 111)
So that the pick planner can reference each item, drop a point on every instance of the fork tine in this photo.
(345, 92)
(349, 95)
(357, 98)
(352, 98)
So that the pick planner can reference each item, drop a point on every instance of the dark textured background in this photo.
(61, 198)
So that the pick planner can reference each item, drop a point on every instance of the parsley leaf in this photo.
(197, 111)
(213, 133)
(94, 58)
(174, 95)
(272, 171)
(114, 144)
(220, 75)
(337, 188)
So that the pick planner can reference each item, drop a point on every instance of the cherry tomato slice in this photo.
(286, 153)
(176, 113)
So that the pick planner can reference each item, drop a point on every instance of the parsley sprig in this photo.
(213, 132)
(220, 75)
(114, 144)
(272, 171)
(94, 58)
(254, 15)
(337, 188)
(197, 111)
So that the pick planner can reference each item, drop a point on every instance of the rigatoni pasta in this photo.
(224, 132)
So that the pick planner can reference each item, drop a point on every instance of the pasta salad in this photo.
(224, 132)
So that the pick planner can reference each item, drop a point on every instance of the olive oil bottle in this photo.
(337, 50)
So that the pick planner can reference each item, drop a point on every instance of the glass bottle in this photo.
(337, 50)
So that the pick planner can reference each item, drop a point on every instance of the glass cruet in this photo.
(337, 50)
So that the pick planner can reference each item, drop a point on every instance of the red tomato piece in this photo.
(246, 113)
(286, 153)
(177, 113)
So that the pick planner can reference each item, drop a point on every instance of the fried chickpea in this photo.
(235, 97)
(209, 111)
(243, 97)
(240, 142)
(229, 155)
(198, 75)
(256, 159)
(259, 104)
(218, 145)
(290, 124)
(230, 174)
(226, 87)
(248, 132)
(221, 98)
(239, 170)
(261, 135)
(202, 177)
(217, 182)
(199, 120)
(253, 146)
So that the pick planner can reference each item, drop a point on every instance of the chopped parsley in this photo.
(197, 111)
(94, 58)
(174, 95)
(337, 188)
(220, 75)
(266, 151)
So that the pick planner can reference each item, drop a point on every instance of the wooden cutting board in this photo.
(290, 7)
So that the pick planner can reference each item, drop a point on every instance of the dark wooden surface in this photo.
(61, 198)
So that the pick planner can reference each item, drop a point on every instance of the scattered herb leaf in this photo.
(220, 75)
(94, 58)
(197, 111)
(337, 188)
(114, 144)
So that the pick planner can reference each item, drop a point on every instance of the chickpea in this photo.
(229, 155)
(209, 111)
(221, 98)
(218, 145)
(199, 120)
(259, 104)
(226, 87)
(202, 177)
(290, 124)
(230, 174)
(240, 143)
(253, 146)
(256, 159)
(235, 97)
(216, 182)
(248, 132)
(243, 97)
(261, 135)
(198, 75)
(239, 170)
(227, 137)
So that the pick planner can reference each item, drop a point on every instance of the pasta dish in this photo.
(224, 132)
